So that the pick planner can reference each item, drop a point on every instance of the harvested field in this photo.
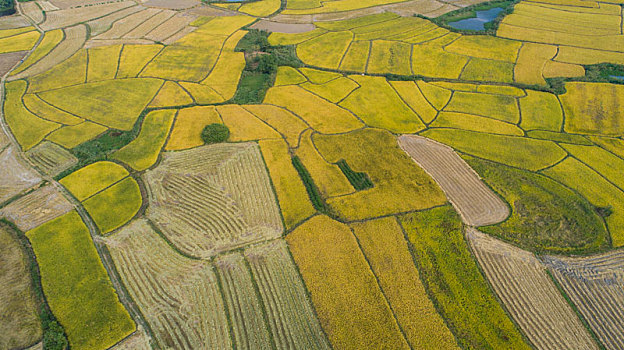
(76, 284)
(102, 24)
(249, 327)
(596, 286)
(384, 245)
(343, 289)
(9, 60)
(169, 287)
(14, 21)
(149, 25)
(139, 340)
(172, 5)
(179, 35)
(20, 325)
(475, 201)
(74, 39)
(279, 27)
(124, 25)
(529, 294)
(213, 198)
(32, 10)
(294, 324)
(50, 159)
(68, 17)
(16, 176)
(170, 27)
(36, 208)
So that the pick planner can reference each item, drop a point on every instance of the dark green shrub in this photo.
(311, 188)
(215, 133)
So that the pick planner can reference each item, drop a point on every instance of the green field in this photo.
(77, 286)
(454, 281)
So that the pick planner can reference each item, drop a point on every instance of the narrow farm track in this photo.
(596, 286)
(531, 297)
(475, 202)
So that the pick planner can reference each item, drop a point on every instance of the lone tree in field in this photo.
(215, 133)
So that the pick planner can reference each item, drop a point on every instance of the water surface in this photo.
(477, 23)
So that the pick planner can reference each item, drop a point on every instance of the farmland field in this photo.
(311, 174)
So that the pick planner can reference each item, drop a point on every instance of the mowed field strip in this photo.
(226, 307)
(213, 198)
(475, 202)
(531, 297)
(596, 286)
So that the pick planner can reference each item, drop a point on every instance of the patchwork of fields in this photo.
(361, 176)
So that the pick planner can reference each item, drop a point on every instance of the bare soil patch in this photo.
(9, 60)
(16, 176)
(279, 27)
(36, 208)
(172, 4)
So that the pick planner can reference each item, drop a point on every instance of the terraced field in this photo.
(321, 218)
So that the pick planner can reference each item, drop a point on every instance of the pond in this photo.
(618, 77)
(477, 23)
